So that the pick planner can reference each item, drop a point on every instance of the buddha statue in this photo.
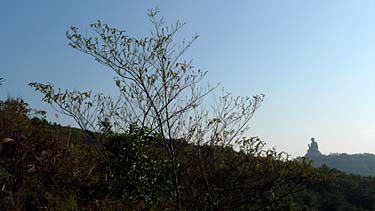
(313, 150)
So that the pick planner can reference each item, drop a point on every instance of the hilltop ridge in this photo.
(360, 163)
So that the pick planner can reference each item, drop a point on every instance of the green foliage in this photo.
(135, 174)
(362, 164)
(44, 158)
(54, 168)
(247, 180)
(338, 191)
(15, 118)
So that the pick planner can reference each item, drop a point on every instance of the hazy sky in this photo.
(314, 60)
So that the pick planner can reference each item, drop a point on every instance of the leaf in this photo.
(118, 83)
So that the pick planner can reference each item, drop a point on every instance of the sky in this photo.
(313, 60)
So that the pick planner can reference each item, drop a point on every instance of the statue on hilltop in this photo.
(314, 144)
(313, 150)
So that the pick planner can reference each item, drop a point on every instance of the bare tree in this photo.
(158, 90)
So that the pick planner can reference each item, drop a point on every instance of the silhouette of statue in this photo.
(313, 150)
(313, 144)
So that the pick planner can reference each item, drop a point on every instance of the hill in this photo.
(53, 167)
(362, 164)
(48, 166)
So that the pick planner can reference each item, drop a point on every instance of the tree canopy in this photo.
(154, 146)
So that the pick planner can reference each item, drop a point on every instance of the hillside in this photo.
(361, 164)
(54, 167)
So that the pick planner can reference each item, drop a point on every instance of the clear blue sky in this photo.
(314, 60)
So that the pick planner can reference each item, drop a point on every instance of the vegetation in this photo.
(362, 164)
(159, 93)
(339, 191)
(155, 146)
(55, 167)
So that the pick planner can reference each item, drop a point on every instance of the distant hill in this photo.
(361, 164)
